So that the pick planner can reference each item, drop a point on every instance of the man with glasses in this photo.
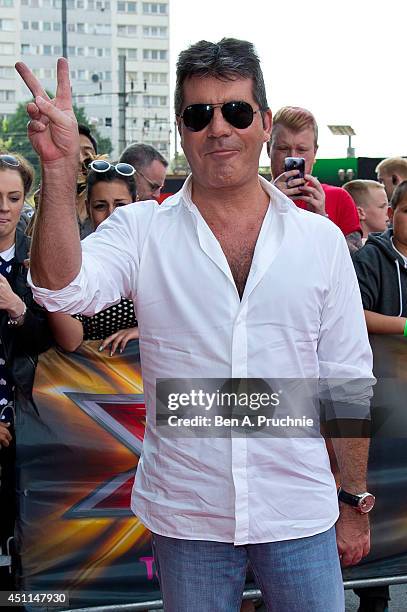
(151, 168)
(230, 280)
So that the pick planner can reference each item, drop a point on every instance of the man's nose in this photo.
(219, 126)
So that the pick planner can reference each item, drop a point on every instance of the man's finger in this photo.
(36, 126)
(54, 114)
(31, 81)
(33, 111)
(314, 181)
(63, 94)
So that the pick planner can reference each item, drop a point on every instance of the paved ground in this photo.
(398, 603)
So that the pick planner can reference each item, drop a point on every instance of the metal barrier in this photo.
(248, 594)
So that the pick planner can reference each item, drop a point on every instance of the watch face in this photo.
(366, 503)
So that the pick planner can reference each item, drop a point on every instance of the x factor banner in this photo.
(78, 456)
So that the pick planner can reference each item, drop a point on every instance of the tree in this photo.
(13, 135)
(179, 164)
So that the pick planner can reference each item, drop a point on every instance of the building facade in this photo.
(98, 31)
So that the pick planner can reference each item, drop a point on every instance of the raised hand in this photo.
(53, 129)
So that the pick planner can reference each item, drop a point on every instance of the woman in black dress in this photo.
(108, 186)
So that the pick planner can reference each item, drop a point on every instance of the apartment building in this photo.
(98, 32)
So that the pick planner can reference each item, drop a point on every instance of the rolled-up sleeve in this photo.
(344, 353)
(109, 270)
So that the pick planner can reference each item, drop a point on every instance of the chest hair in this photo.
(238, 246)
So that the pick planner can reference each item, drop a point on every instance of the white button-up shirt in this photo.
(300, 317)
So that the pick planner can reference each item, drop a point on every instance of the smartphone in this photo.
(295, 163)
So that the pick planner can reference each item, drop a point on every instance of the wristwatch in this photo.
(16, 321)
(362, 502)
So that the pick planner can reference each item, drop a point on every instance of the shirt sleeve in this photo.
(344, 353)
(109, 271)
(348, 218)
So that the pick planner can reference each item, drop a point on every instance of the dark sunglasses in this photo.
(101, 165)
(10, 160)
(238, 113)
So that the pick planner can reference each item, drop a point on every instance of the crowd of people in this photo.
(208, 271)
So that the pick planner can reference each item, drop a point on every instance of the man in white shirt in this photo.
(229, 280)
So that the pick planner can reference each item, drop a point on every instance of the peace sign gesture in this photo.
(53, 129)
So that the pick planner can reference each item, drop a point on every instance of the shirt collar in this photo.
(280, 202)
(9, 253)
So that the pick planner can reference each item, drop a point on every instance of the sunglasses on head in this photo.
(10, 160)
(101, 165)
(238, 113)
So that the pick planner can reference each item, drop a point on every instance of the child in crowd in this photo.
(381, 268)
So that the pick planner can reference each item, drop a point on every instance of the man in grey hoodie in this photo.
(381, 268)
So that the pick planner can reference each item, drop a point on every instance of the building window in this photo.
(7, 25)
(26, 25)
(126, 30)
(154, 54)
(81, 75)
(155, 32)
(35, 25)
(80, 51)
(71, 51)
(154, 8)
(56, 26)
(46, 26)
(7, 95)
(6, 3)
(126, 7)
(6, 72)
(25, 49)
(47, 50)
(57, 50)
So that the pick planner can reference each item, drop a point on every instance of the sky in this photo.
(343, 60)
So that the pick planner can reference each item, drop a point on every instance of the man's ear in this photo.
(361, 213)
(267, 124)
(395, 179)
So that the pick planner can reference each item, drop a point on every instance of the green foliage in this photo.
(179, 165)
(13, 135)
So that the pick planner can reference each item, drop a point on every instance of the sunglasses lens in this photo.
(238, 114)
(125, 169)
(10, 160)
(197, 116)
(99, 165)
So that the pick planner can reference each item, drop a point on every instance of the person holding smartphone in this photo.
(295, 135)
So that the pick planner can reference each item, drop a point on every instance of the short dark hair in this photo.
(24, 169)
(141, 155)
(398, 194)
(107, 177)
(85, 131)
(226, 60)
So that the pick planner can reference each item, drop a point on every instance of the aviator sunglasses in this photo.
(238, 113)
(101, 165)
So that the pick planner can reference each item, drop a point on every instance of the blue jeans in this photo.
(301, 575)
